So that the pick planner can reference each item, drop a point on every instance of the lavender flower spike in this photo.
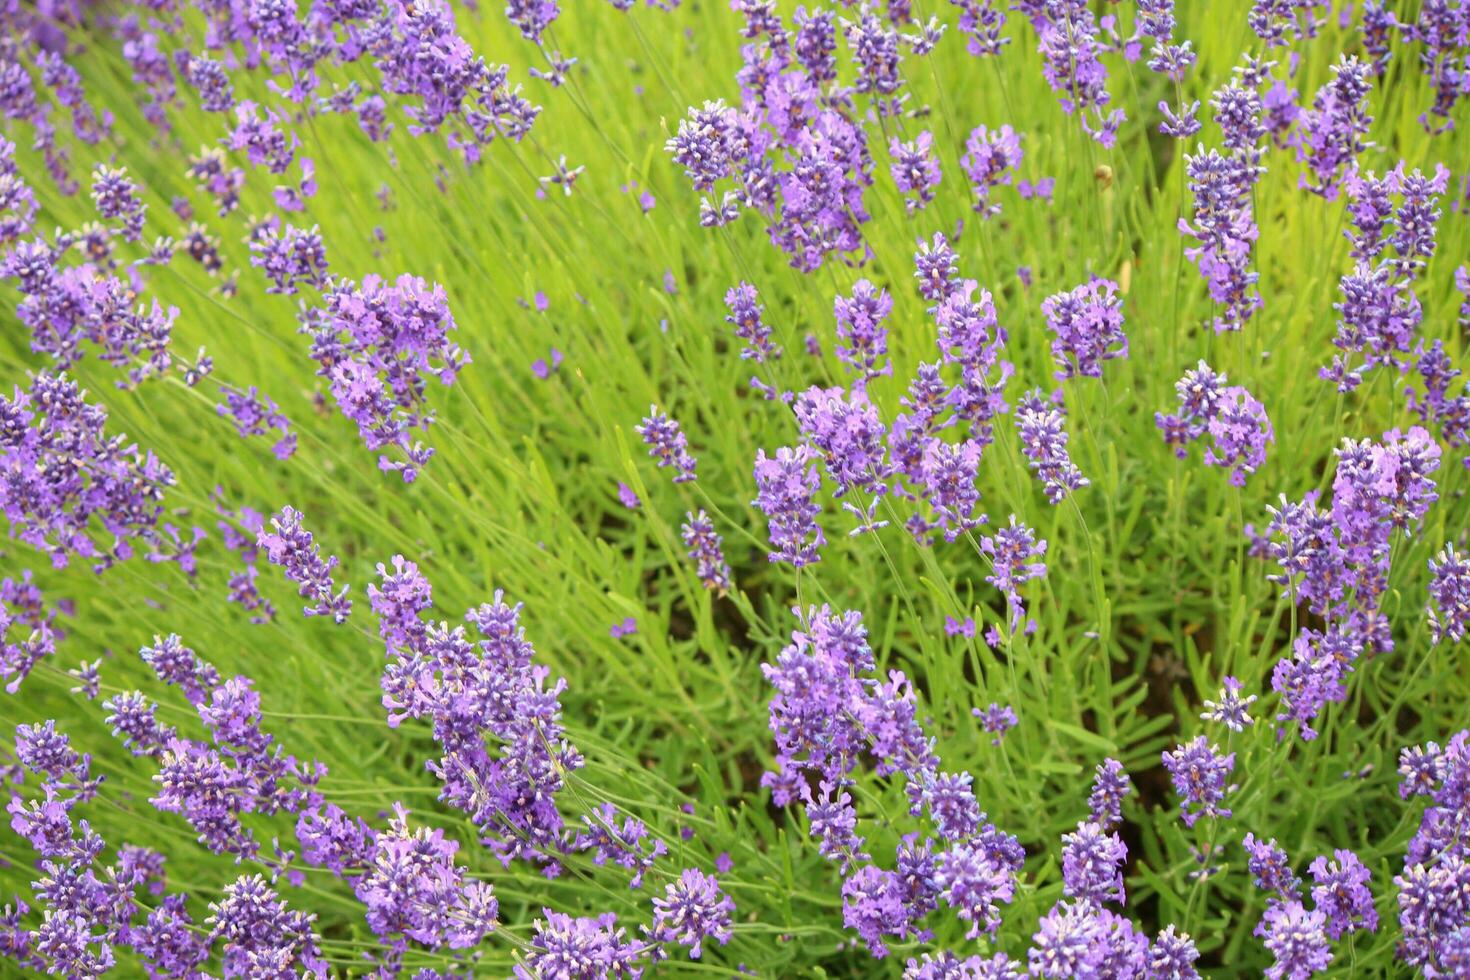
(290, 546)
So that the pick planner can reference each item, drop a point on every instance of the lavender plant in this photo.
(650, 489)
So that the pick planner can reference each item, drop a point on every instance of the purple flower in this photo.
(255, 415)
(990, 161)
(706, 551)
(544, 368)
(785, 485)
(1041, 423)
(1296, 939)
(1232, 709)
(1200, 774)
(974, 881)
(116, 198)
(377, 344)
(1088, 326)
(1279, 22)
(1341, 893)
(1223, 228)
(746, 316)
(862, 339)
(627, 497)
(586, 948)
(290, 545)
(875, 52)
(256, 927)
(1067, 33)
(1110, 787)
(290, 257)
(956, 627)
(1015, 557)
(667, 444)
(1332, 132)
(846, 430)
(1449, 596)
(1235, 420)
(1172, 956)
(507, 777)
(936, 267)
(997, 719)
(915, 170)
(131, 717)
(69, 486)
(1270, 868)
(1092, 861)
(947, 475)
(693, 909)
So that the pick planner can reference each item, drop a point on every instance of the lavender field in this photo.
(686, 488)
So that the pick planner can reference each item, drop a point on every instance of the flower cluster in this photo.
(990, 161)
(667, 443)
(214, 784)
(1330, 134)
(862, 339)
(915, 170)
(707, 552)
(471, 691)
(1434, 889)
(1337, 562)
(1379, 313)
(377, 344)
(828, 713)
(1068, 42)
(1234, 419)
(255, 414)
(1087, 324)
(290, 545)
(69, 486)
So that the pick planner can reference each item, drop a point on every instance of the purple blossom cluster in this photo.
(830, 710)
(70, 488)
(213, 785)
(66, 305)
(914, 167)
(707, 551)
(255, 414)
(1434, 889)
(862, 338)
(1071, 50)
(1299, 938)
(794, 156)
(1336, 561)
(1234, 419)
(479, 695)
(91, 909)
(1223, 226)
(786, 485)
(290, 545)
(1440, 31)
(1200, 773)
(1087, 328)
(376, 345)
(1379, 314)
(747, 316)
(28, 629)
(990, 161)
(1449, 595)
(1331, 133)
(792, 152)
(667, 444)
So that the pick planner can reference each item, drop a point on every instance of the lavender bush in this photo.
(666, 489)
